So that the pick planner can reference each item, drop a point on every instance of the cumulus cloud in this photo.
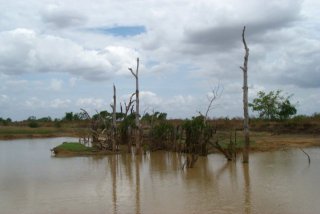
(25, 51)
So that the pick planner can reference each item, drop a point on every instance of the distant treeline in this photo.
(298, 123)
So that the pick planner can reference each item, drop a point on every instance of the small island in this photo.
(78, 149)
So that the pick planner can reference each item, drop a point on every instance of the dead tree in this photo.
(244, 68)
(93, 128)
(114, 119)
(137, 120)
(128, 107)
(126, 130)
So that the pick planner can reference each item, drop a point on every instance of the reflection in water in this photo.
(113, 160)
(137, 164)
(247, 191)
(31, 181)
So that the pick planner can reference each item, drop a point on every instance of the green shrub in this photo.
(162, 131)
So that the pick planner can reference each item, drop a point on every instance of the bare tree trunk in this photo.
(114, 119)
(137, 121)
(245, 101)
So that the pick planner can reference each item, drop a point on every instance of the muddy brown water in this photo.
(34, 182)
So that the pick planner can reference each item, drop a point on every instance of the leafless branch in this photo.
(216, 93)
(130, 69)
(131, 101)
(309, 159)
(86, 114)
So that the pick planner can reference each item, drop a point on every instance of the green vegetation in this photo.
(73, 147)
(273, 105)
(198, 134)
(76, 149)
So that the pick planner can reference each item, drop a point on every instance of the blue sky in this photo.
(62, 55)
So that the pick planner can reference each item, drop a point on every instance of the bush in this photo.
(162, 131)
(33, 124)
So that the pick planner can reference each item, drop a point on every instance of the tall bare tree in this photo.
(244, 68)
(114, 119)
(137, 120)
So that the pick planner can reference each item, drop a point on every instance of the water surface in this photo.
(32, 182)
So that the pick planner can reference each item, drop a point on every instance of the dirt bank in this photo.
(271, 142)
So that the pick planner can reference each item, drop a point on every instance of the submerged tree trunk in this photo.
(137, 113)
(114, 120)
(245, 101)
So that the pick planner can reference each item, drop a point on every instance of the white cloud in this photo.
(23, 51)
(91, 103)
(60, 103)
(149, 98)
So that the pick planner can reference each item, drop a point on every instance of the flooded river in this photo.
(34, 182)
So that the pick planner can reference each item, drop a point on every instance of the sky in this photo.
(59, 56)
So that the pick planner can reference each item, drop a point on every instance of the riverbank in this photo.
(16, 132)
(265, 141)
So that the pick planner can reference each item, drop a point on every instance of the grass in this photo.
(73, 147)
(78, 149)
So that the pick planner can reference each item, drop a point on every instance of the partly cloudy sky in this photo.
(58, 56)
